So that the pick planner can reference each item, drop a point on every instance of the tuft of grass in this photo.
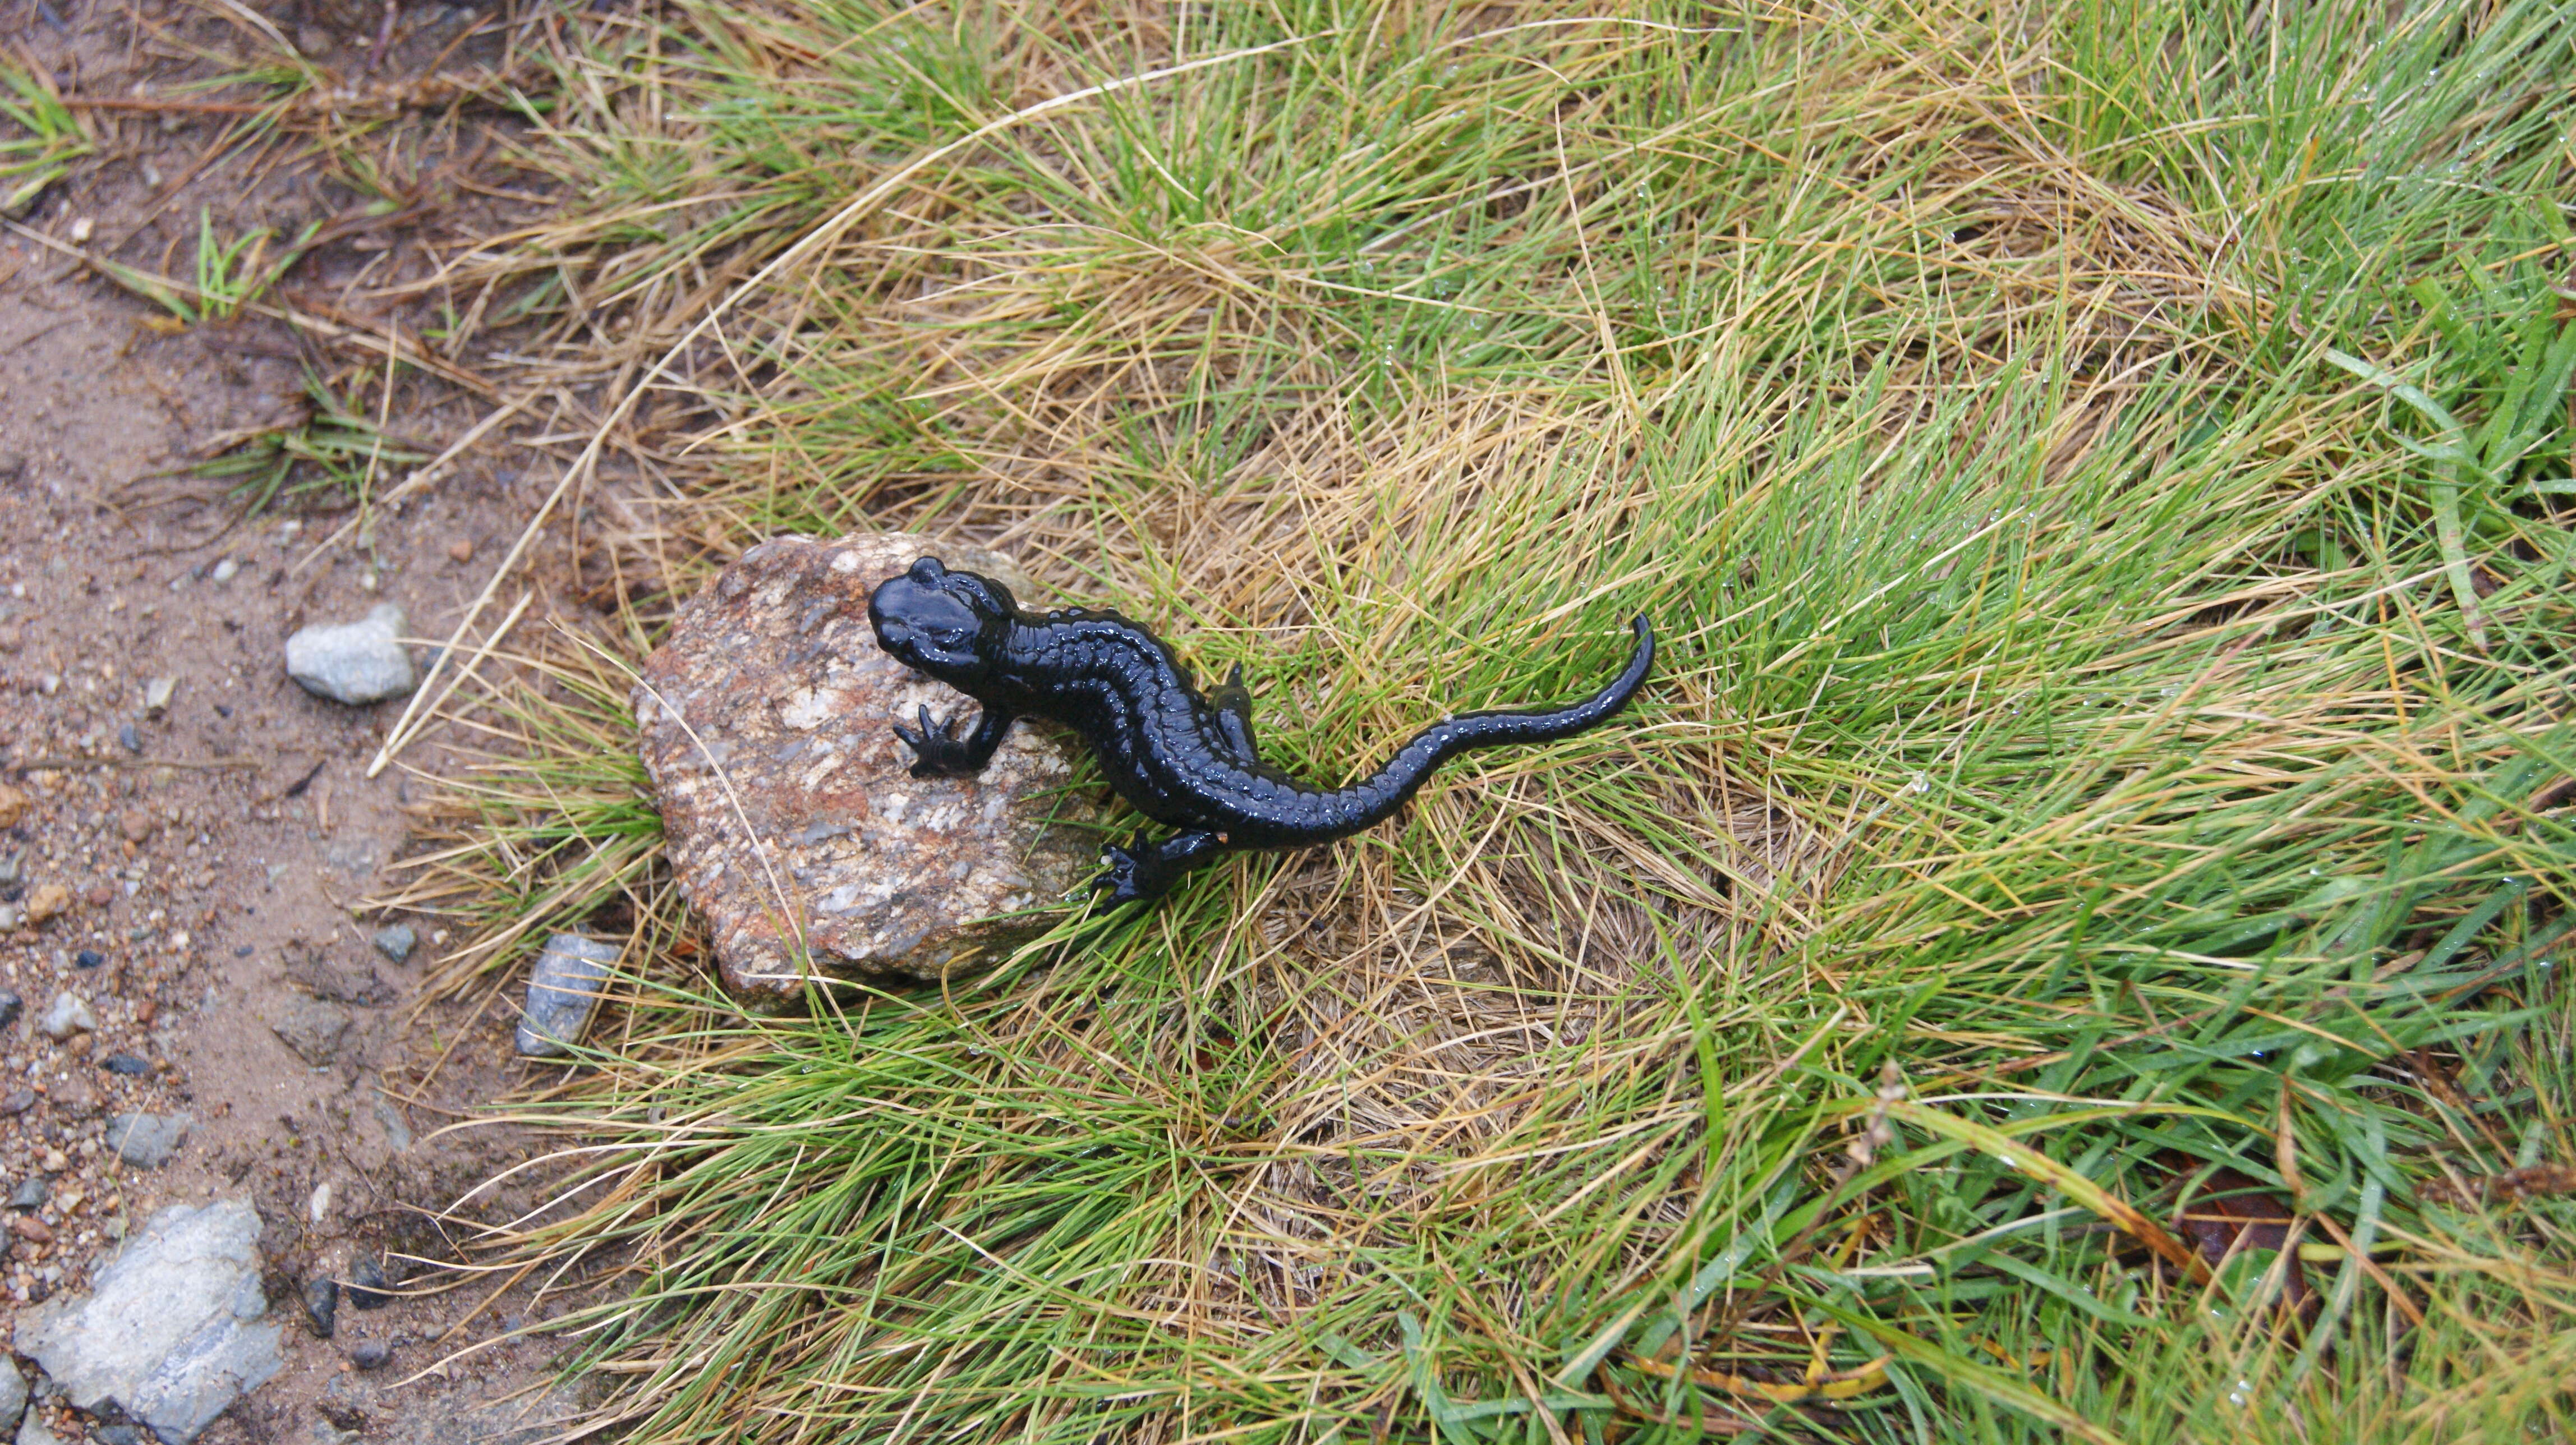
(51, 138)
(331, 453)
(2099, 472)
(546, 789)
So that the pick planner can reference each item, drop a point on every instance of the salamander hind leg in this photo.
(1145, 870)
(1234, 716)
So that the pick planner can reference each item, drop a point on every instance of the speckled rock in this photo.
(772, 704)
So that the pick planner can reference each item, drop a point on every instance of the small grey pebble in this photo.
(126, 1064)
(10, 1006)
(242, 952)
(370, 1354)
(564, 988)
(118, 1435)
(396, 942)
(367, 1285)
(322, 1305)
(31, 1193)
(129, 736)
(18, 1101)
(354, 662)
(88, 958)
(147, 1141)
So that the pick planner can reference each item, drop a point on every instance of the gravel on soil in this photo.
(178, 817)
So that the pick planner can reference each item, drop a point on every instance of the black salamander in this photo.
(1182, 758)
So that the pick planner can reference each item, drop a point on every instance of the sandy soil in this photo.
(188, 872)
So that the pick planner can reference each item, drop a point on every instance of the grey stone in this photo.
(157, 694)
(312, 1028)
(369, 1289)
(67, 1015)
(147, 1141)
(353, 662)
(31, 1192)
(13, 1393)
(32, 1431)
(172, 1331)
(10, 1005)
(396, 941)
(322, 1305)
(795, 826)
(371, 1354)
(563, 994)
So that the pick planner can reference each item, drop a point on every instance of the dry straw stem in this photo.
(2068, 706)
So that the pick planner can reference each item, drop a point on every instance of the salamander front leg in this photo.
(1145, 870)
(939, 753)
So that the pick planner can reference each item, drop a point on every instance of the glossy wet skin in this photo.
(930, 630)
(1184, 758)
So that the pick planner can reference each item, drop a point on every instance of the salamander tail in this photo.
(1379, 795)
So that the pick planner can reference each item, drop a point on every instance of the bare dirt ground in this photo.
(187, 872)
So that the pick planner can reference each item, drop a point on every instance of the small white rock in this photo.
(67, 1015)
(353, 662)
(225, 570)
(158, 692)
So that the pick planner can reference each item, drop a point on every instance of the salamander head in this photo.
(947, 624)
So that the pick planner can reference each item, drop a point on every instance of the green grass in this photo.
(2097, 473)
(41, 142)
(333, 453)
